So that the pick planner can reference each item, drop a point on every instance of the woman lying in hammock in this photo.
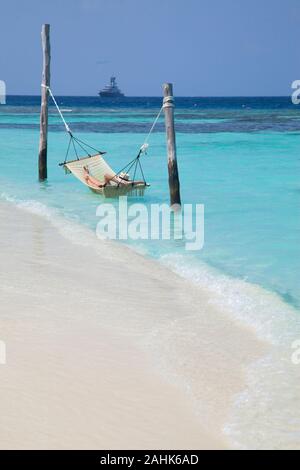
(120, 180)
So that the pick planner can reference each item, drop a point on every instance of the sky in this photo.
(204, 47)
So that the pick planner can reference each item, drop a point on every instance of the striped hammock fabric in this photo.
(99, 168)
(96, 165)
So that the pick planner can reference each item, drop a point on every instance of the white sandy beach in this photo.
(107, 349)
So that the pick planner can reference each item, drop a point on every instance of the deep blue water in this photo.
(283, 102)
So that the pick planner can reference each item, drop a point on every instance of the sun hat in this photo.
(124, 176)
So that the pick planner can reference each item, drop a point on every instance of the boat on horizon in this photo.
(112, 90)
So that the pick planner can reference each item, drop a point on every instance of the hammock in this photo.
(111, 183)
(99, 169)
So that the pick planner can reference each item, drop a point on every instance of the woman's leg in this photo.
(94, 182)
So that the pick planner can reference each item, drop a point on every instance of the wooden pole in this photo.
(174, 184)
(44, 103)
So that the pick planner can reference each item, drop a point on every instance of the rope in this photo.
(74, 146)
(168, 102)
(153, 125)
(67, 154)
(88, 145)
(143, 176)
(60, 113)
(79, 142)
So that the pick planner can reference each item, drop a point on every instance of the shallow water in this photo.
(240, 158)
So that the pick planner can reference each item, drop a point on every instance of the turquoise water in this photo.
(239, 157)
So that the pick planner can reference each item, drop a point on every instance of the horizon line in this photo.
(159, 96)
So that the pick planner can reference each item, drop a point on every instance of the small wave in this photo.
(266, 414)
(265, 311)
(66, 226)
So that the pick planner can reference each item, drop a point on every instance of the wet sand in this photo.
(107, 349)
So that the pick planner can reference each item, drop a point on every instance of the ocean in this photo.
(240, 157)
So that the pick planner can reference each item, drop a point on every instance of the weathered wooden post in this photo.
(44, 102)
(174, 184)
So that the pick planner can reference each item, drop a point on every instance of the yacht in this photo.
(112, 90)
